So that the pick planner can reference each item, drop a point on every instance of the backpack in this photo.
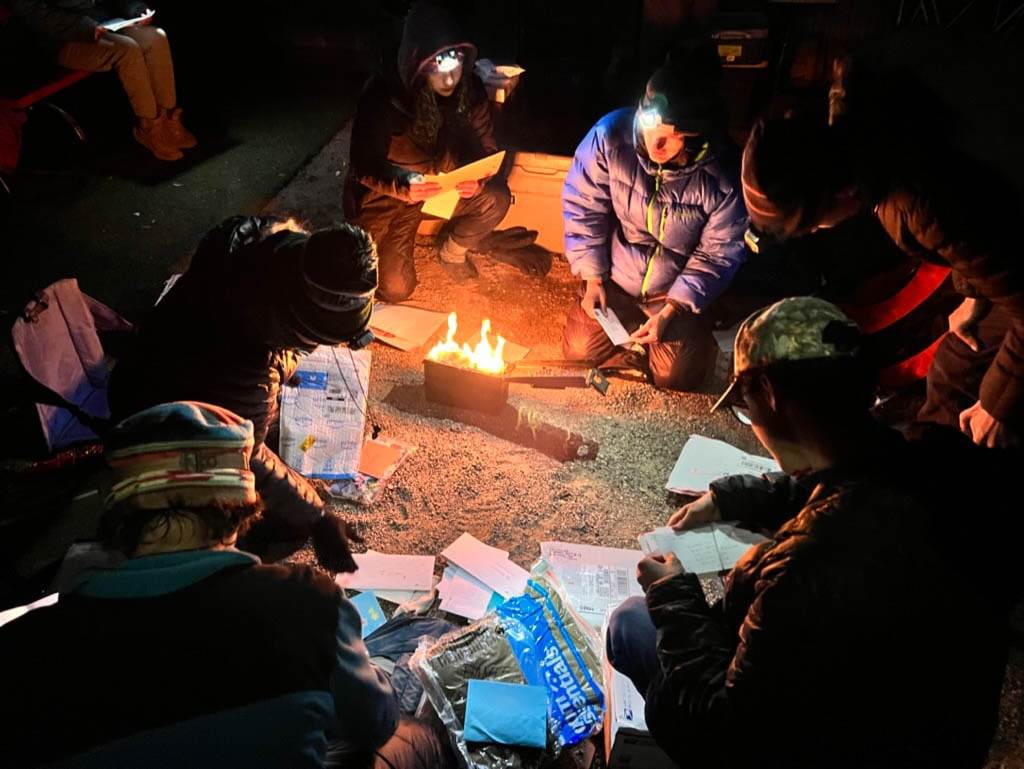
(57, 339)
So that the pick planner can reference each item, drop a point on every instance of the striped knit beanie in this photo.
(184, 453)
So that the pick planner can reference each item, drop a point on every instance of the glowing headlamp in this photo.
(649, 118)
(448, 60)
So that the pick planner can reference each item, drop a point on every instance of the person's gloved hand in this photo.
(331, 536)
(532, 260)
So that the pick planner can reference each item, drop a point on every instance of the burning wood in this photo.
(478, 378)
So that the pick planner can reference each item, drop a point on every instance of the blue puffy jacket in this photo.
(625, 215)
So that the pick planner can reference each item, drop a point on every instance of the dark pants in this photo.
(954, 378)
(631, 643)
(415, 744)
(393, 225)
(679, 362)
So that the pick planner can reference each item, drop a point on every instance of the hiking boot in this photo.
(176, 132)
(460, 272)
(150, 134)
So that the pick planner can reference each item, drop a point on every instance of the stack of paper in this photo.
(704, 550)
(478, 577)
(594, 578)
(703, 460)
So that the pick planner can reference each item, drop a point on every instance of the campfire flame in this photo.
(483, 357)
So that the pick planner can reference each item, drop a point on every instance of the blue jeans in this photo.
(631, 643)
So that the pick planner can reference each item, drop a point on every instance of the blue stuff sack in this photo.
(561, 653)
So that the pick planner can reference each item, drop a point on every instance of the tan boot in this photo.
(151, 135)
(176, 132)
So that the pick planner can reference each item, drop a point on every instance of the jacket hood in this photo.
(429, 30)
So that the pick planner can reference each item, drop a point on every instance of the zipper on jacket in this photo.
(650, 229)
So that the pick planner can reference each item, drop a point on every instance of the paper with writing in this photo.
(612, 326)
(464, 595)
(113, 25)
(594, 577)
(488, 564)
(383, 571)
(443, 204)
(324, 417)
(703, 460)
(703, 550)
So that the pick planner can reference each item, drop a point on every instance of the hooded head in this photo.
(331, 283)
(431, 40)
(682, 105)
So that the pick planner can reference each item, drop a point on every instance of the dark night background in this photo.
(265, 85)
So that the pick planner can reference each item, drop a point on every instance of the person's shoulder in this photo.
(297, 585)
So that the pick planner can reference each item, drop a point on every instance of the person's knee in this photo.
(500, 196)
(396, 286)
(682, 378)
(620, 635)
(128, 53)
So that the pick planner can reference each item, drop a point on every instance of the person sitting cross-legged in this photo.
(871, 629)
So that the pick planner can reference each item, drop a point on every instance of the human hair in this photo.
(427, 119)
(829, 391)
(124, 526)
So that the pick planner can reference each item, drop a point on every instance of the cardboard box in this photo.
(627, 743)
(535, 180)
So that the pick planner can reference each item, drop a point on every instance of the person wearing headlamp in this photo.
(257, 296)
(430, 116)
(654, 222)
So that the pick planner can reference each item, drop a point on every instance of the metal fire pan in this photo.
(471, 389)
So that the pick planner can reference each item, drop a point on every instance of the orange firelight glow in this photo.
(483, 357)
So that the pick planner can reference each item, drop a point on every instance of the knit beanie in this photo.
(685, 90)
(331, 285)
(790, 170)
(182, 453)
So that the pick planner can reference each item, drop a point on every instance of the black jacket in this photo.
(940, 197)
(386, 151)
(223, 335)
(871, 631)
(55, 22)
(180, 642)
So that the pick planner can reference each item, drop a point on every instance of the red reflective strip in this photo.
(871, 318)
(914, 368)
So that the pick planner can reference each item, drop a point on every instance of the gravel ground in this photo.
(461, 478)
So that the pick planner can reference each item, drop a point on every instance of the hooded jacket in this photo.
(625, 215)
(385, 153)
(870, 631)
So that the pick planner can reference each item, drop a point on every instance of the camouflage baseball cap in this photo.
(793, 329)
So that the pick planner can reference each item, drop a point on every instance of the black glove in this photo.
(512, 238)
(531, 259)
(330, 541)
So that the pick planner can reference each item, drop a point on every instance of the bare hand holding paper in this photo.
(443, 204)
